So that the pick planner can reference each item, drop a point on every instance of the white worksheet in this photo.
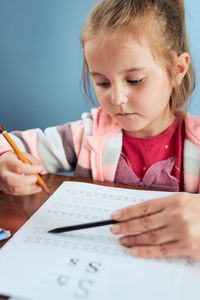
(89, 263)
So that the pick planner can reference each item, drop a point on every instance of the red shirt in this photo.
(142, 153)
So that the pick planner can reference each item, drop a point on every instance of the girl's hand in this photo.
(16, 177)
(169, 226)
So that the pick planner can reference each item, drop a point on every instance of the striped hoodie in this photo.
(91, 147)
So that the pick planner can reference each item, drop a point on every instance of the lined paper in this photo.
(90, 263)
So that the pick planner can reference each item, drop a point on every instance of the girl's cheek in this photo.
(100, 96)
(104, 100)
(142, 99)
(136, 101)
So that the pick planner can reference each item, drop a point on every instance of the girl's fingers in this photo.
(154, 237)
(17, 166)
(19, 184)
(157, 251)
(14, 179)
(138, 210)
(33, 160)
(145, 223)
(17, 177)
(25, 190)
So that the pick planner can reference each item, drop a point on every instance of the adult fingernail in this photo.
(116, 214)
(133, 252)
(124, 241)
(115, 228)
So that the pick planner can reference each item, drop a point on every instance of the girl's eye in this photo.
(136, 82)
(103, 84)
(106, 84)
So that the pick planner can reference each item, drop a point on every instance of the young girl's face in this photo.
(130, 85)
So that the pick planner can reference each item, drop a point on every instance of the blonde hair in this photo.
(163, 21)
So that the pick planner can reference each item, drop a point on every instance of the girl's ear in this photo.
(182, 65)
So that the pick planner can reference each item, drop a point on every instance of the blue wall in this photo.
(41, 61)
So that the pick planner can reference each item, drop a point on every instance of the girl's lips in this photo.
(126, 114)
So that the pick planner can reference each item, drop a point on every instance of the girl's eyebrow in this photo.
(134, 69)
(127, 70)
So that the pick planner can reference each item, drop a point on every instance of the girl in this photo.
(138, 57)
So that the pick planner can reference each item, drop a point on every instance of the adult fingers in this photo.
(157, 251)
(142, 224)
(154, 237)
(138, 210)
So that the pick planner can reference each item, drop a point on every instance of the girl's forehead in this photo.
(119, 52)
(121, 40)
(117, 46)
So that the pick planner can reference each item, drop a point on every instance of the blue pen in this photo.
(4, 234)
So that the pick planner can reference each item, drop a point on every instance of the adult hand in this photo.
(17, 177)
(163, 227)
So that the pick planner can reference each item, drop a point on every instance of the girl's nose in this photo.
(118, 98)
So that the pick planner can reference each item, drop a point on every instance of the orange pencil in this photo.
(21, 156)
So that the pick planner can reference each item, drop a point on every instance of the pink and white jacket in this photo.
(92, 146)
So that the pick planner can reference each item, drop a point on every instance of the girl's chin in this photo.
(137, 131)
(134, 128)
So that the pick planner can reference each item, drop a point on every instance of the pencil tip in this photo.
(51, 231)
(46, 189)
